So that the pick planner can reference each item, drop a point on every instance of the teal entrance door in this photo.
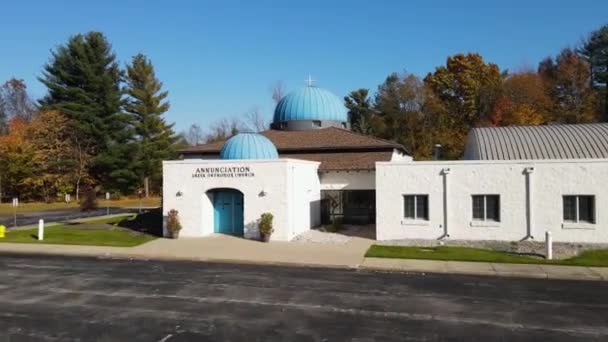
(228, 212)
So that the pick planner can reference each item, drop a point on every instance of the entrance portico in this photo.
(213, 196)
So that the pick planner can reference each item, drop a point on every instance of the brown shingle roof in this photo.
(335, 148)
(326, 139)
(349, 161)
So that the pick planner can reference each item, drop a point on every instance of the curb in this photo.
(142, 257)
(359, 267)
(504, 274)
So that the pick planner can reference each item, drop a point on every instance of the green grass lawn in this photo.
(107, 220)
(72, 235)
(590, 258)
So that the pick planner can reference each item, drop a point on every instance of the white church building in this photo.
(309, 169)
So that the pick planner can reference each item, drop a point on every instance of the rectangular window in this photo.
(486, 208)
(416, 207)
(579, 208)
(316, 123)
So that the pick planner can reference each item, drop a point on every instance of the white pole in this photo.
(40, 230)
(107, 203)
(15, 205)
(548, 246)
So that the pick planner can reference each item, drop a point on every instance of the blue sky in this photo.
(219, 58)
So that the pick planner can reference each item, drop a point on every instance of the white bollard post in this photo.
(40, 230)
(548, 246)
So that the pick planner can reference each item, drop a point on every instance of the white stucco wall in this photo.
(348, 180)
(270, 189)
(549, 181)
(304, 197)
(356, 180)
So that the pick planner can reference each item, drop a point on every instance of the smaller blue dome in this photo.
(249, 145)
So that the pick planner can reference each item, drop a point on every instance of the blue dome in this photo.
(310, 103)
(249, 145)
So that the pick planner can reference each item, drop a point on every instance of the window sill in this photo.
(578, 225)
(415, 222)
(485, 224)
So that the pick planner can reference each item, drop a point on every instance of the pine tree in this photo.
(595, 52)
(83, 81)
(359, 110)
(146, 103)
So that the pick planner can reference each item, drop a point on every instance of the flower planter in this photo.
(173, 225)
(266, 227)
(264, 237)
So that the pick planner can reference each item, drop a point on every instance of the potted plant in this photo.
(173, 225)
(266, 226)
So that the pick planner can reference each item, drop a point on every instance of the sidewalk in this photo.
(487, 269)
(221, 248)
(218, 248)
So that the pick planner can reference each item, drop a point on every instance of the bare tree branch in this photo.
(278, 91)
(195, 135)
(255, 121)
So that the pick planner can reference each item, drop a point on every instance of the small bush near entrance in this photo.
(173, 224)
(265, 226)
(338, 224)
(335, 226)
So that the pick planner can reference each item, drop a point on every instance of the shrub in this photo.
(336, 224)
(89, 199)
(266, 223)
(173, 224)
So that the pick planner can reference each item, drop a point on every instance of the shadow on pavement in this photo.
(149, 222)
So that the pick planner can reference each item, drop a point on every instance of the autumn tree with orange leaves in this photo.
(16, 159)
(40, 158)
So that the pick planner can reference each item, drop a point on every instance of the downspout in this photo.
(529, 203)
(292, 201)
(445, 172)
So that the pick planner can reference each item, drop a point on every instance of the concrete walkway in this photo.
(229, 248)
(218, 248)
(222, 248)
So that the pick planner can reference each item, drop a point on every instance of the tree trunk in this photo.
(147, 186)
(78, 189)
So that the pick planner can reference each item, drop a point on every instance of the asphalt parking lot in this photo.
(31, 217)
(87, 299)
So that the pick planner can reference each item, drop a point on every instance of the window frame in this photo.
(577, 208)
(416, 218)
(485, 218)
